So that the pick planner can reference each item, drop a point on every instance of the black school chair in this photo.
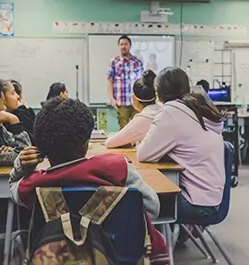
(222, 213)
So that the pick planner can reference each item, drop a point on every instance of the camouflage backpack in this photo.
(66, 240)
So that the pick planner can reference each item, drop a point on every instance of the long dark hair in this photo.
(3, 87)
(173, 83)
(144, 90)
(55, 90)
(17, 86)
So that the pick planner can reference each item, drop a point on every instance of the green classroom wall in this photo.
(34, 18)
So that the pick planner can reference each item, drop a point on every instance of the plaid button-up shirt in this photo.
(124, 72)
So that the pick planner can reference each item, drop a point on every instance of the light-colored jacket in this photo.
(176, 132)
(136, 129)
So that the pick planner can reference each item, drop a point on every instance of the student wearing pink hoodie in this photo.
(188, 129)
(144, 101)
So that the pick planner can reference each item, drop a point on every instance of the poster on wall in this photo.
(102, 119)
(6, 19)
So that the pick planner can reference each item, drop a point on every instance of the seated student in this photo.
(144, 101)
(14, 104)
(57, 90)
(188, 129)
(12, 142)
(204, 84)
(18, 89)
(62, 132)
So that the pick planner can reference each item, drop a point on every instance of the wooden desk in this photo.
(97, 148)
(156, 180)
(130, 153)
(5, 171)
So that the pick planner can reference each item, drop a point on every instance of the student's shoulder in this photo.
(109, 157)
(109, 163)
(167, 112)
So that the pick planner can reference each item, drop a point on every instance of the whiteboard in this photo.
(38, 62)
(197, 59)
(240, 92)
(103, 48)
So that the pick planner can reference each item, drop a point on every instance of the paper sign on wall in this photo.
(6, 19)
(148, 28)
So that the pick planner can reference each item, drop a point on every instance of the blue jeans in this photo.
(189, 212)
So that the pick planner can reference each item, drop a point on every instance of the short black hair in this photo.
(17, 86)
(204, 84)
(62, 128)
(124, 37)
(144, 89)
(55, 90)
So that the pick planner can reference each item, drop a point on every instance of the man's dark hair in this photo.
(124, 37)
(204, 84)
(62, 128)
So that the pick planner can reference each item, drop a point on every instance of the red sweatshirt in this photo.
(103, 170)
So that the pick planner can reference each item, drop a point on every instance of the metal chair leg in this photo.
(169, 242)
(205, 244)
(219, 246)
(175, 234)
(194, 240)
(8, 239)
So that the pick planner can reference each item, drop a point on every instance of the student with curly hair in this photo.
(62, 132)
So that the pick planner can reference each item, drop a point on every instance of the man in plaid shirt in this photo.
(124, 70)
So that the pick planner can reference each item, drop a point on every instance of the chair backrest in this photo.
(125, 224)
(225, 204)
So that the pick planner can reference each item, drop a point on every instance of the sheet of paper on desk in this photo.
(98, 134)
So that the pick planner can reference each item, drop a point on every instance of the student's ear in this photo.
(2, 96)
(85, 147)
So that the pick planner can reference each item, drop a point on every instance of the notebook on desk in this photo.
(98, 134)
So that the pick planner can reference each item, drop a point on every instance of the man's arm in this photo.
(111, 75)
(110, 94)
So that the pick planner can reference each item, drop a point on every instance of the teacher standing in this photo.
(124, 70)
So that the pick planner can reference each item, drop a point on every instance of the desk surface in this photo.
(5, 171)
(158, 181)
(130, 153)
(154, 178)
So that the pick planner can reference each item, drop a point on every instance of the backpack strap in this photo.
(102, 202)
(147, 243)
(68, 231)
(95, 210)
(52, 203)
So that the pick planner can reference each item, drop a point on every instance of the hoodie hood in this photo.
(216, 127)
